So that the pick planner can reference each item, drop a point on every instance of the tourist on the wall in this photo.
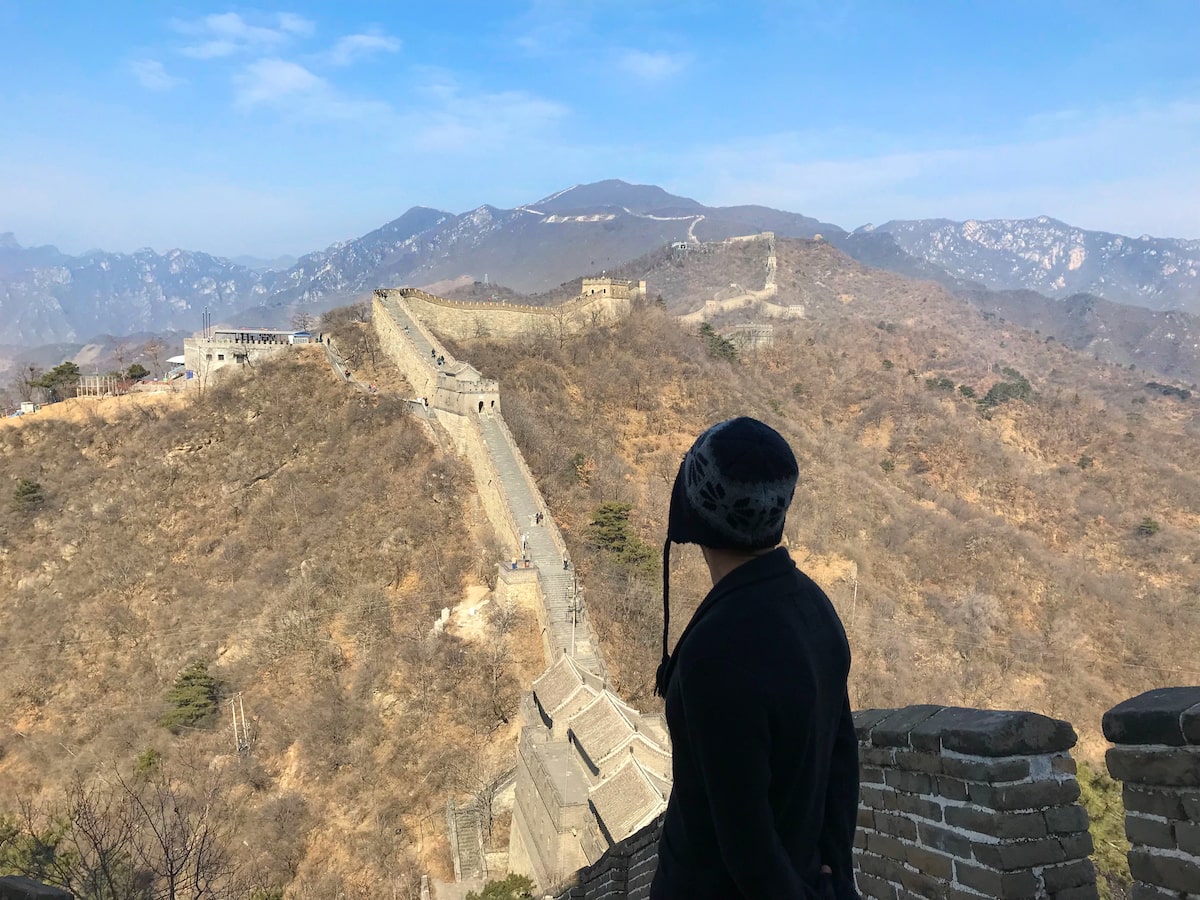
(764, 755)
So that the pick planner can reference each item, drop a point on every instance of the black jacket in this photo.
(765, 758)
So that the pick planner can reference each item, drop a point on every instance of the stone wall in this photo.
(1157, 756)
(625, 871)
(468, 443)
(461, 320)
(966, 802)
(955, 803)
(546, 825)
(17, 887)
(397, 346)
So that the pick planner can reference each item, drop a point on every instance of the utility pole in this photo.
(241, 734)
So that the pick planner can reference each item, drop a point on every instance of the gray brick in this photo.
(866, 817)
(923, 885)
(17, 887)
(877, 756)
(1001, 825)
(866, 719)
(893, 731)
(1031, 795)
(993, 770)
(1190, 800)
(880, 866)
(1165, 871)
(1064, 765)
(1149, 832)
(1070, 874)
(1187, 837)
(917, 806)
(1078, 845)
(930, 862)
(1190, 722)
(1082, 892)
(1066, 819)
(944, 839)
(1165, 803)
(873, 888)
(885, 845)
(870, 775)
(1007, 855)
(1151, 718)
(1176, 767)
(913, 782)
(981, 732)
(950, 788)
(872, 797)
(860, 839)
(1002, 885)
(916, 761)
(896, 826)
(1142, 891)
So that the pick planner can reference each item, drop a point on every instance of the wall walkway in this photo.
(511, 500)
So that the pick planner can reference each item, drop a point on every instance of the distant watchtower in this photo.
(613, 287)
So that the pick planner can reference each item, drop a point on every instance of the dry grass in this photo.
(299, 537)
(992, 569)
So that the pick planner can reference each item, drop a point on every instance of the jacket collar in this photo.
(761, 568)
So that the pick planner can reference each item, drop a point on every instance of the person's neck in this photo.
(722, 562)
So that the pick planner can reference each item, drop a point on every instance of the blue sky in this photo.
(280, 128)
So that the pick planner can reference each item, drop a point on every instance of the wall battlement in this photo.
(966, 804)
(604, 301)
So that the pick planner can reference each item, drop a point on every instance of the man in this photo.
(765, 758)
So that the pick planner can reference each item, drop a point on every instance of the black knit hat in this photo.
(732, 493)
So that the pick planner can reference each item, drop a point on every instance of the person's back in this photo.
(765, 762)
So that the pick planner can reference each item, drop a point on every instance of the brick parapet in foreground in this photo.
(1157, 756)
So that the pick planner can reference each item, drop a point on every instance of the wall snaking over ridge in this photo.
(461, 320)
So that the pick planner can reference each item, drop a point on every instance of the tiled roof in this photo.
(559, 683)
(626, 800)
(603, 725)
(606, 726)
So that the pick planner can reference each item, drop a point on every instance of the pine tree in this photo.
(193, 699)
(29, 495)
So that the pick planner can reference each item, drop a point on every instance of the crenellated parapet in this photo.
(1157, 756)
(603, 302)
(968, 804)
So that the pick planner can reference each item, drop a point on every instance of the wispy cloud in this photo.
(353, 48)
(303, 94)
(272, 80)
(453, 119)
(655, 66)
(151, 75)
(224, 34)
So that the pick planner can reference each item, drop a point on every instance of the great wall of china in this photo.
(590, 770)
(955, 804)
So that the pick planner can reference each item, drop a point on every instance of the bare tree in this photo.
(185, 828)
(303, 321)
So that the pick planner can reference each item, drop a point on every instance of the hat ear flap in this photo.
(660, 677)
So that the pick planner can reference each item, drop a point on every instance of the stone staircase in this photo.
(466, 841)
(569, 630)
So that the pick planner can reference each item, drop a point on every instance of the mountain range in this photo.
(50, 297)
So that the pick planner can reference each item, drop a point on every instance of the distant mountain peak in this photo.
(614, 194)
(8, 241)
